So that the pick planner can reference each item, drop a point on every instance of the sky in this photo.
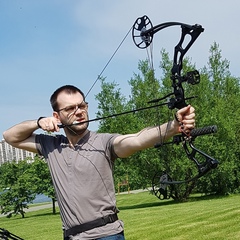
(49, 43)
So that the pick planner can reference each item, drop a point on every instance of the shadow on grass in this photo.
(163, 203)
(196, 197)
(160, 203)
(41, 214)
(148, 205)
(34, 214)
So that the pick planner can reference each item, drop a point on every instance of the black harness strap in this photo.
(99, 222)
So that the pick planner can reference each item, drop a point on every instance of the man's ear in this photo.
(56, 115)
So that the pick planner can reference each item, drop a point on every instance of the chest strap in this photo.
(99, 222)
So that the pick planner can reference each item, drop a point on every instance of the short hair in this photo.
(69, 89)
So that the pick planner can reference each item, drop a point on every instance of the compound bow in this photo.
(142, 33)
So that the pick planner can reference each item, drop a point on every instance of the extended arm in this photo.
(126, 145)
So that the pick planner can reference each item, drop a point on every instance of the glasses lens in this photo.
(72, 109)
(82, 106)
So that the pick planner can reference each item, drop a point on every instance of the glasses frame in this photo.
(70, 110)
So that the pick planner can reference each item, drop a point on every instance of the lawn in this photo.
(148, 218)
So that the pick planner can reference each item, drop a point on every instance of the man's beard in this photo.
(77, 129)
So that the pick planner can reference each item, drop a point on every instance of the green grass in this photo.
(146, 217)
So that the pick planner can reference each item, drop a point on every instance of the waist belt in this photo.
(90, 225)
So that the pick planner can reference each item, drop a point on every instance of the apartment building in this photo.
(10, 154)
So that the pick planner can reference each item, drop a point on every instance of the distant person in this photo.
(81, 161)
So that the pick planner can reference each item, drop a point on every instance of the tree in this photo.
(42, 181)
(217, 103)
(21, 182)
(16, 189)
(220, 94)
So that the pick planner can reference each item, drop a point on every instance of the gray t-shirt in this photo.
(83, 179)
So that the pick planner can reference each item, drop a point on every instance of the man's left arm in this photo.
(126, 145)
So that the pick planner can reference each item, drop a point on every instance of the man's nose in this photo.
(78, 110)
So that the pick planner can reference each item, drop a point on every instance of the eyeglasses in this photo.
(70, 110)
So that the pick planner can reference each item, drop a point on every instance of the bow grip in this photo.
(203, 131)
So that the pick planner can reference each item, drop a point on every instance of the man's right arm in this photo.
(22, 135)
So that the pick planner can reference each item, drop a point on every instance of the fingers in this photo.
(49, 124)
(186, 110)
(186, 116)
(189, 120)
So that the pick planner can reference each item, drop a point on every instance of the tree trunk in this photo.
(54, 206)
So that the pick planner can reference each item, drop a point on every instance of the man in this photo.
(81, 162)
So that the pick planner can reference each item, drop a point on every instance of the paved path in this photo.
(39, 207)
(35, 208)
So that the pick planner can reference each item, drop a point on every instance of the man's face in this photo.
(73, 110)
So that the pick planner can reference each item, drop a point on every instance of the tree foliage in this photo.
(16, 189)
(221, 97)
(42, 180)
(216, 104)
(21, 182)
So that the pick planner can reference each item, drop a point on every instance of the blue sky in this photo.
(48, 43)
